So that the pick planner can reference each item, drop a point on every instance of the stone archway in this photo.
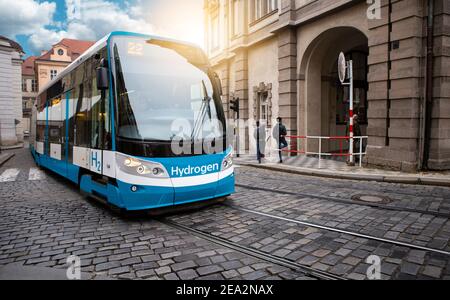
(323, 101)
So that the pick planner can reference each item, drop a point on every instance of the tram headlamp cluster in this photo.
(137, 167)
(227, 162)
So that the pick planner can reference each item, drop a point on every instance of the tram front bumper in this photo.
(140, 197)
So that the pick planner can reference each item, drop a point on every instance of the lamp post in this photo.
(235, 107)
(345, 70)
(0, 136)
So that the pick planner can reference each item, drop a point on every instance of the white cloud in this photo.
(86, 19)
(96, 18)
(93, 19)
(179, 19)
(43, 38)
(24, 16)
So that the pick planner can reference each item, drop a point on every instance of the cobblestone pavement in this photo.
(427, 198)
(44, 219)
(337, 253)
(415, 228)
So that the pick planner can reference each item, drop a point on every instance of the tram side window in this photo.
(73, 101)
(97, 112)
(41, 119)
(101, 124)
(78, 76)
(56, 120)
(82, 118)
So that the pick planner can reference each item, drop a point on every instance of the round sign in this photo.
(342, 67)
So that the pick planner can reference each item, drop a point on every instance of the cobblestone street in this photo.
(317, 224)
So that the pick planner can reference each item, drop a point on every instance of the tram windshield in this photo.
(164, 91)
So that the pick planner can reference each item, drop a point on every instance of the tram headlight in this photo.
(137, 167)
(227, 162)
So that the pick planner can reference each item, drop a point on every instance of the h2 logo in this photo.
(96, 161)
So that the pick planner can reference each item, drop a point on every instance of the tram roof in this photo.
(101, 44)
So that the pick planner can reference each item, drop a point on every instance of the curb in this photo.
(5, 158)
(413, 180)
(18, 146)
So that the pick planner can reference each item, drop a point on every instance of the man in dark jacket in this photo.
(279, 134)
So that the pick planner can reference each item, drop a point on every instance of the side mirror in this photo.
(219, 83)
(102, 78)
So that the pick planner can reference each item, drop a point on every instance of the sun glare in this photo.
(183, 23)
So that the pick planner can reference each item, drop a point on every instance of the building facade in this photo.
(279, 57)
(11, 132)
(52, 62)
(29, 91)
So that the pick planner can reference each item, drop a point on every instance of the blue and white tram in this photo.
(136, 121)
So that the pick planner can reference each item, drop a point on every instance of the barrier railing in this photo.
(341, 153)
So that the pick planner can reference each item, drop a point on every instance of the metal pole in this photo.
(0, 136)
(360, 151)
(320, 153)
(258, 149)
(238, 142)
(350, 70)
(428, 104)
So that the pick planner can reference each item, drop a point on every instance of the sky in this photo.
(38, 24)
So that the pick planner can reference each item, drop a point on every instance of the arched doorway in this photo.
(324, 101)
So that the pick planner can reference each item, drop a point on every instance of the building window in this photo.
(34, 87)
(262, 105)
(215, 32)
(236, 18)
(60, 52)
(261, 8)
(24, 85)
(53, 74)
(264, 108)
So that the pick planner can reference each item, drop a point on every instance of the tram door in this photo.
(65, 133)
(57, 137)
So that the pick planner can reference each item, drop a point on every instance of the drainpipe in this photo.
(428, 105)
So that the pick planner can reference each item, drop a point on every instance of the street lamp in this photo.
(345, 70)
(235, 107)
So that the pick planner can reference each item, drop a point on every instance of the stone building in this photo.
(53, 61)
(29, 91)
(11, 132)
(279, 57)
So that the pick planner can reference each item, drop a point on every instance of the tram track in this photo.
(337, 230)
(270, 258)
(346, 201)
(305, 270)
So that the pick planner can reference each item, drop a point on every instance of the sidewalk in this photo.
(18, 146)
(340, 170)
(5, 156)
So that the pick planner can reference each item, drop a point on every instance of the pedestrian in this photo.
(260, 137)
(279, 134)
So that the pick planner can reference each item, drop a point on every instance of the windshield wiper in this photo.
(205, 109)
